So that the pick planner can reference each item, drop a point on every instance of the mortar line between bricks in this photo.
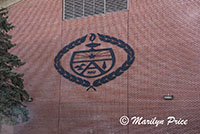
(127, 70)
(59, 99)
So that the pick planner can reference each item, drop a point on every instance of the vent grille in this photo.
(99, 7)
(84, 8)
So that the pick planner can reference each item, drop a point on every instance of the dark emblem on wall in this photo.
(93, 62)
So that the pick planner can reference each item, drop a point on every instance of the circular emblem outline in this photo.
(84, 82)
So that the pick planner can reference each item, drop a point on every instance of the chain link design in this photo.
(126, 64)
(63, 72)
(105, 79)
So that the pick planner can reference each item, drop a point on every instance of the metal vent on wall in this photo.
(84, 8)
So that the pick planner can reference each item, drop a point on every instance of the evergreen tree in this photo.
(12, 93)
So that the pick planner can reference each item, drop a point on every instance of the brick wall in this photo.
(165, 37)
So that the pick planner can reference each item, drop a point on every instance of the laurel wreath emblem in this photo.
(98, 82)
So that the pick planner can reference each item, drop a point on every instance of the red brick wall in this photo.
(165, 35)
(166, 39)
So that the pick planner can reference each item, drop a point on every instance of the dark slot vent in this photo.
(83, 8)
(68, 8)
(121, 5)
(110, 5)
(89, 7)
(78, 8)
(99, 7)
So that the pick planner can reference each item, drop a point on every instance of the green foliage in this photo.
(12, 93)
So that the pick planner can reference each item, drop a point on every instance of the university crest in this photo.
(94, 61)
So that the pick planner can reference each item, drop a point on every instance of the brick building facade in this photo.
(165, 36)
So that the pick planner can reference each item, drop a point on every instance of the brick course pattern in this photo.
(165, 35)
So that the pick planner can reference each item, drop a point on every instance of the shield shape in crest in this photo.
(93, 62)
